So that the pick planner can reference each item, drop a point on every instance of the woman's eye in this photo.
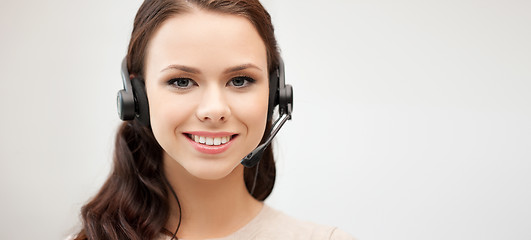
(181, 83)
(241, 81)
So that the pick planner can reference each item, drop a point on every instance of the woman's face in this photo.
(207, 86)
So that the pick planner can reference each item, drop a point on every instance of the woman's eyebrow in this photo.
(242, 67)
(182, 68)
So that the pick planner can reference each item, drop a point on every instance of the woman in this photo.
(201, 73)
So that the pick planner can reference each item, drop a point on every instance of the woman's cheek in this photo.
(253, 111)
(167, 113)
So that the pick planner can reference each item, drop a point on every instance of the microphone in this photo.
(254, 157)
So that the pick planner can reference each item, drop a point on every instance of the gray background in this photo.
(412, 119)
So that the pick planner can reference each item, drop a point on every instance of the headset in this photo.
(132, 103)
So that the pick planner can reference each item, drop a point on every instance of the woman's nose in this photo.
(213, 106)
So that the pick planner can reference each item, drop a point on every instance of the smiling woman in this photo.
(219, 72)
(206, 76)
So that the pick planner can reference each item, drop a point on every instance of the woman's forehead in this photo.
(201, 36)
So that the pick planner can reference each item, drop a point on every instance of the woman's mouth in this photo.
(210, 140)
(210, 143)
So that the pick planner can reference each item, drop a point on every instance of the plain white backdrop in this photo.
(412, 119)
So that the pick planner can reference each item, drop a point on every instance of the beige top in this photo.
(272, 224)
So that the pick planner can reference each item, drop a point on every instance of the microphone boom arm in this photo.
(254, 157)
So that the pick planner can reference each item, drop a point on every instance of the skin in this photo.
(211, 189)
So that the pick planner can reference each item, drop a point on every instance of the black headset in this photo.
(133, 104)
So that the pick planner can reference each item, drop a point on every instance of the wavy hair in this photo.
(133, 203)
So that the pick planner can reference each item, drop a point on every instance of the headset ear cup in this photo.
(142, 105)
(286, 99)
(125, 105)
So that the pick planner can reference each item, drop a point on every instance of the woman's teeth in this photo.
(210, 140)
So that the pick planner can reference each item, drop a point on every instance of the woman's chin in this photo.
(211, 171)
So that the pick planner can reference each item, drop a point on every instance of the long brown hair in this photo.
(133, 203)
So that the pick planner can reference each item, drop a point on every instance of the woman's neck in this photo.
(210, 208)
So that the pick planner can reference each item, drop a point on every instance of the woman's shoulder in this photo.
(274, 224)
